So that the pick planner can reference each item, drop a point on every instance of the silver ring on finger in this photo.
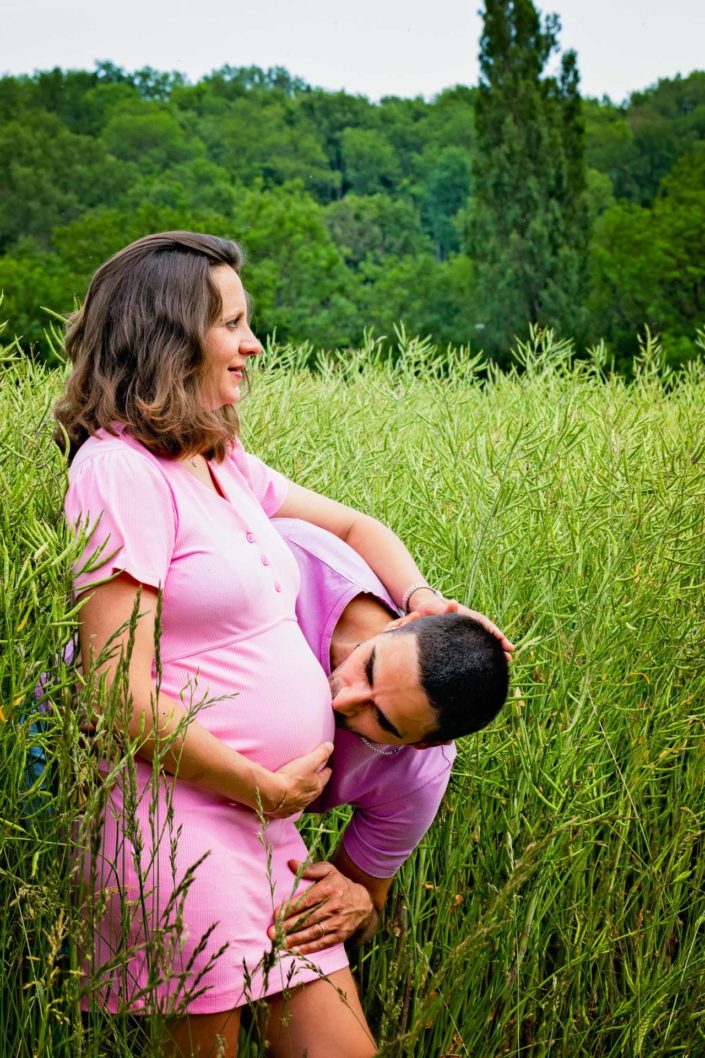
(321, 930)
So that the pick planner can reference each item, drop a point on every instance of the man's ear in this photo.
(399, 622)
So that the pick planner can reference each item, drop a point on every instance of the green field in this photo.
(557, 907)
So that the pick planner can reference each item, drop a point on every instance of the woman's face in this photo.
(229, 342)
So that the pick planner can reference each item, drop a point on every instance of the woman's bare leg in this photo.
(203, 1035)
(314, 1021)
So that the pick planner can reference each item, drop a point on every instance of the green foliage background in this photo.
(557, 906)
(355, 215)
(529, 211)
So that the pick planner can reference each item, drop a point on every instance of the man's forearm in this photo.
(377, 890)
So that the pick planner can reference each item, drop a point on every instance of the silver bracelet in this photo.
(410, 591)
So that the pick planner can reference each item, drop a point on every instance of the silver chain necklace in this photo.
(381, 752)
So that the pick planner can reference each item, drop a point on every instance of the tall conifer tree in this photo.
(529, 224)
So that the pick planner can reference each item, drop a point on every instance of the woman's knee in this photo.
(319, 1019)
(202, 1035)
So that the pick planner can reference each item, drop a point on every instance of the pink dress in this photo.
(228, 632)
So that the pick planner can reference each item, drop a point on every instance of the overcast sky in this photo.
(374, 47)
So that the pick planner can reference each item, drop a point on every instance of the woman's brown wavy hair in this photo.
(137, 345)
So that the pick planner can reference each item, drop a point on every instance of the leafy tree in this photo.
(373, 227)
(150, 136)
(625, 263)
(190, 187)
(330, 113)
(17, 94)
(609, 139)
(147, 82)
(667, 120)
(50, 175)
(64, 93)
(447, 188)
(529, 215)
(428, 297)
(639, 143)
(648, 265)
(370, 163)
(679, 214)
(354, 212)
(449, 120)
(233, 82)
(297, 275)
(401, 122)
(32, 280)
(600, 194)
(101, 102)
(267, 140)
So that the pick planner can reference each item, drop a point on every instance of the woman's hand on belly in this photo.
(164, 727)
(296, 784)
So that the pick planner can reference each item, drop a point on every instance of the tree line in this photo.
(358, 215)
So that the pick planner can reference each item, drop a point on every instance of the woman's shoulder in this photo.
(116, 457)
(113, 447)
(119, 483)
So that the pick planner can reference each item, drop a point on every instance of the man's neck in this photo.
(363, 618)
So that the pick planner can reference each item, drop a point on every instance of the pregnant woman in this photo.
(160, 348)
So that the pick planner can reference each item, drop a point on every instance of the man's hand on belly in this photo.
(332, 910)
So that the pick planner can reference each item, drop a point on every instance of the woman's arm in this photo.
(381, 549)
(379, 546)
(195, 755)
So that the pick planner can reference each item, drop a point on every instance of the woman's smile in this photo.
(230, 336)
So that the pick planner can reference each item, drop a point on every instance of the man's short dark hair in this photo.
(463, 671)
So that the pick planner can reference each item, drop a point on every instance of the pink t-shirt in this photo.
(394, 798)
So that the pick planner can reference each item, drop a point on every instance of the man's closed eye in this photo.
(385, 724)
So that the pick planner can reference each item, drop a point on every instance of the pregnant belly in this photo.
(266, 695)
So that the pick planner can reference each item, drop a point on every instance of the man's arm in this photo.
(344, 899)
(343, 902)
(377, 889)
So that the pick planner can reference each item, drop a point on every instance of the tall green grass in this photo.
(557, 906)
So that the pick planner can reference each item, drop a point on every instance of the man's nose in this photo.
(349, 701)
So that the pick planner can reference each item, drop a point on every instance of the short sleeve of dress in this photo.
(128, 505)
(269, 486)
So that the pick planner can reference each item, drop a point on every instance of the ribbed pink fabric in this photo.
(229, 632)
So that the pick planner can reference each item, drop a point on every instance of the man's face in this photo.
(376, 692)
